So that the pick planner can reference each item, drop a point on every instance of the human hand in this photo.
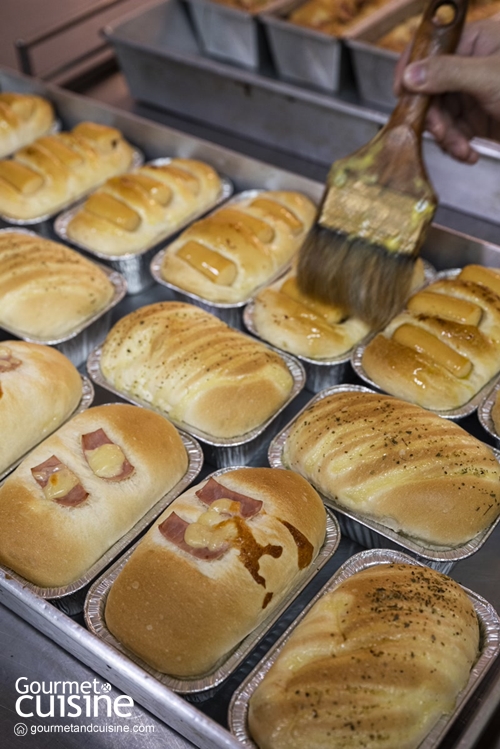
(466, 89)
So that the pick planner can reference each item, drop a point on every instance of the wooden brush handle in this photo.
(432, 38)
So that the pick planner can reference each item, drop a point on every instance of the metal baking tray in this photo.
(230, 312)
(484, 410)
(78, 344)
(489, 647)
(97, 596)
(369, 532)
(454, 414)
(137, 160)
(218, 451)
(195, 462)
(85, 402)
(134, 266)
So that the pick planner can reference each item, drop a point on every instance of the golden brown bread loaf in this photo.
(376, 662)
(135, 210)
(197, 369)
(334, 17)
(23, 117)
(55, 170)
(46, 289)
(83, 488)
(495, 413)
(39, 389)
(398, 464)
(445, 346)
(226, 256)
(212, 568)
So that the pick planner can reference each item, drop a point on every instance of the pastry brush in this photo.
(378, 202)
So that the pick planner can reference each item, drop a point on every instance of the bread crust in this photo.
(376, 662)
(196, 368)
(53, 545)
(398, 464)
(181, 614)
(23, 117)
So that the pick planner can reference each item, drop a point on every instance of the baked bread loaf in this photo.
(495, 413)
(133, 211)
(398, 464)
(445, 346)
(226, 256)
(334, 17)
(197, 369)
(83, 488)
(23, 117)
(39, 389)
(375, 662)
(213, 566)
(46, 289)
(56, 170)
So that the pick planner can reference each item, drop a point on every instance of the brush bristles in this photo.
(361, 277)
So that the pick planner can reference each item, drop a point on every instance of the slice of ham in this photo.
(174, 528)
(93, 441)
(42, 474)
(213, 491)
(8, 361)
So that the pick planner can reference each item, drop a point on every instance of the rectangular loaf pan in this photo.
(484, 413)
(369, 532)
(134, 266)
(96, 602)
(489, 646)
(218, 451)
(195, 462)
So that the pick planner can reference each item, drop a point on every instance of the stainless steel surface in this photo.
(489, 647)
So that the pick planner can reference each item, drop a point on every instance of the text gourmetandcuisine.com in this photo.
(69, 699)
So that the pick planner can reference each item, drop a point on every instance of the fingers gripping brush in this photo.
(378, 202)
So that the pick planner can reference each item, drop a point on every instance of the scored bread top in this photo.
(23, 117)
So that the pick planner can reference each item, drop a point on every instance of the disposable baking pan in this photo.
(219, 452)
(85, 402)
(454, 414)
(137, 160)
(134, 266)
(368, 532)
(489, 624)
(324, 373)
(230, 312)
(77, 344)
(195, 462)
(484, 410)
(97, 596)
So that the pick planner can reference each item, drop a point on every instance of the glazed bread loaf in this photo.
(334, 17)
(23, 117)
(226, 256)
(375, 662)
(56, 170)
(445, 346)
(133, 211)
(39, 389)
(83, 488)
(495, 413)
(197, 369)
(215, 564)
(46, 289)
(398, 464)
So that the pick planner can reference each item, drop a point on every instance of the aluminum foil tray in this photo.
(489, 647)
(134, 266)
(85, 402)
(195, 462)
(218, 451)
(231, 313)
(78, 344)
(369, 532)
(96, 602)
(484, 413)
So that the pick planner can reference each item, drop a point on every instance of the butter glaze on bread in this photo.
(398, 464)
(23, 117)
(375, 663)
(55, 170)
(132, 211)
(457, 357)
(46, 289)
(197, 369)
(182, 614)
(226, 256)
(39, 389)
(51, 544)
